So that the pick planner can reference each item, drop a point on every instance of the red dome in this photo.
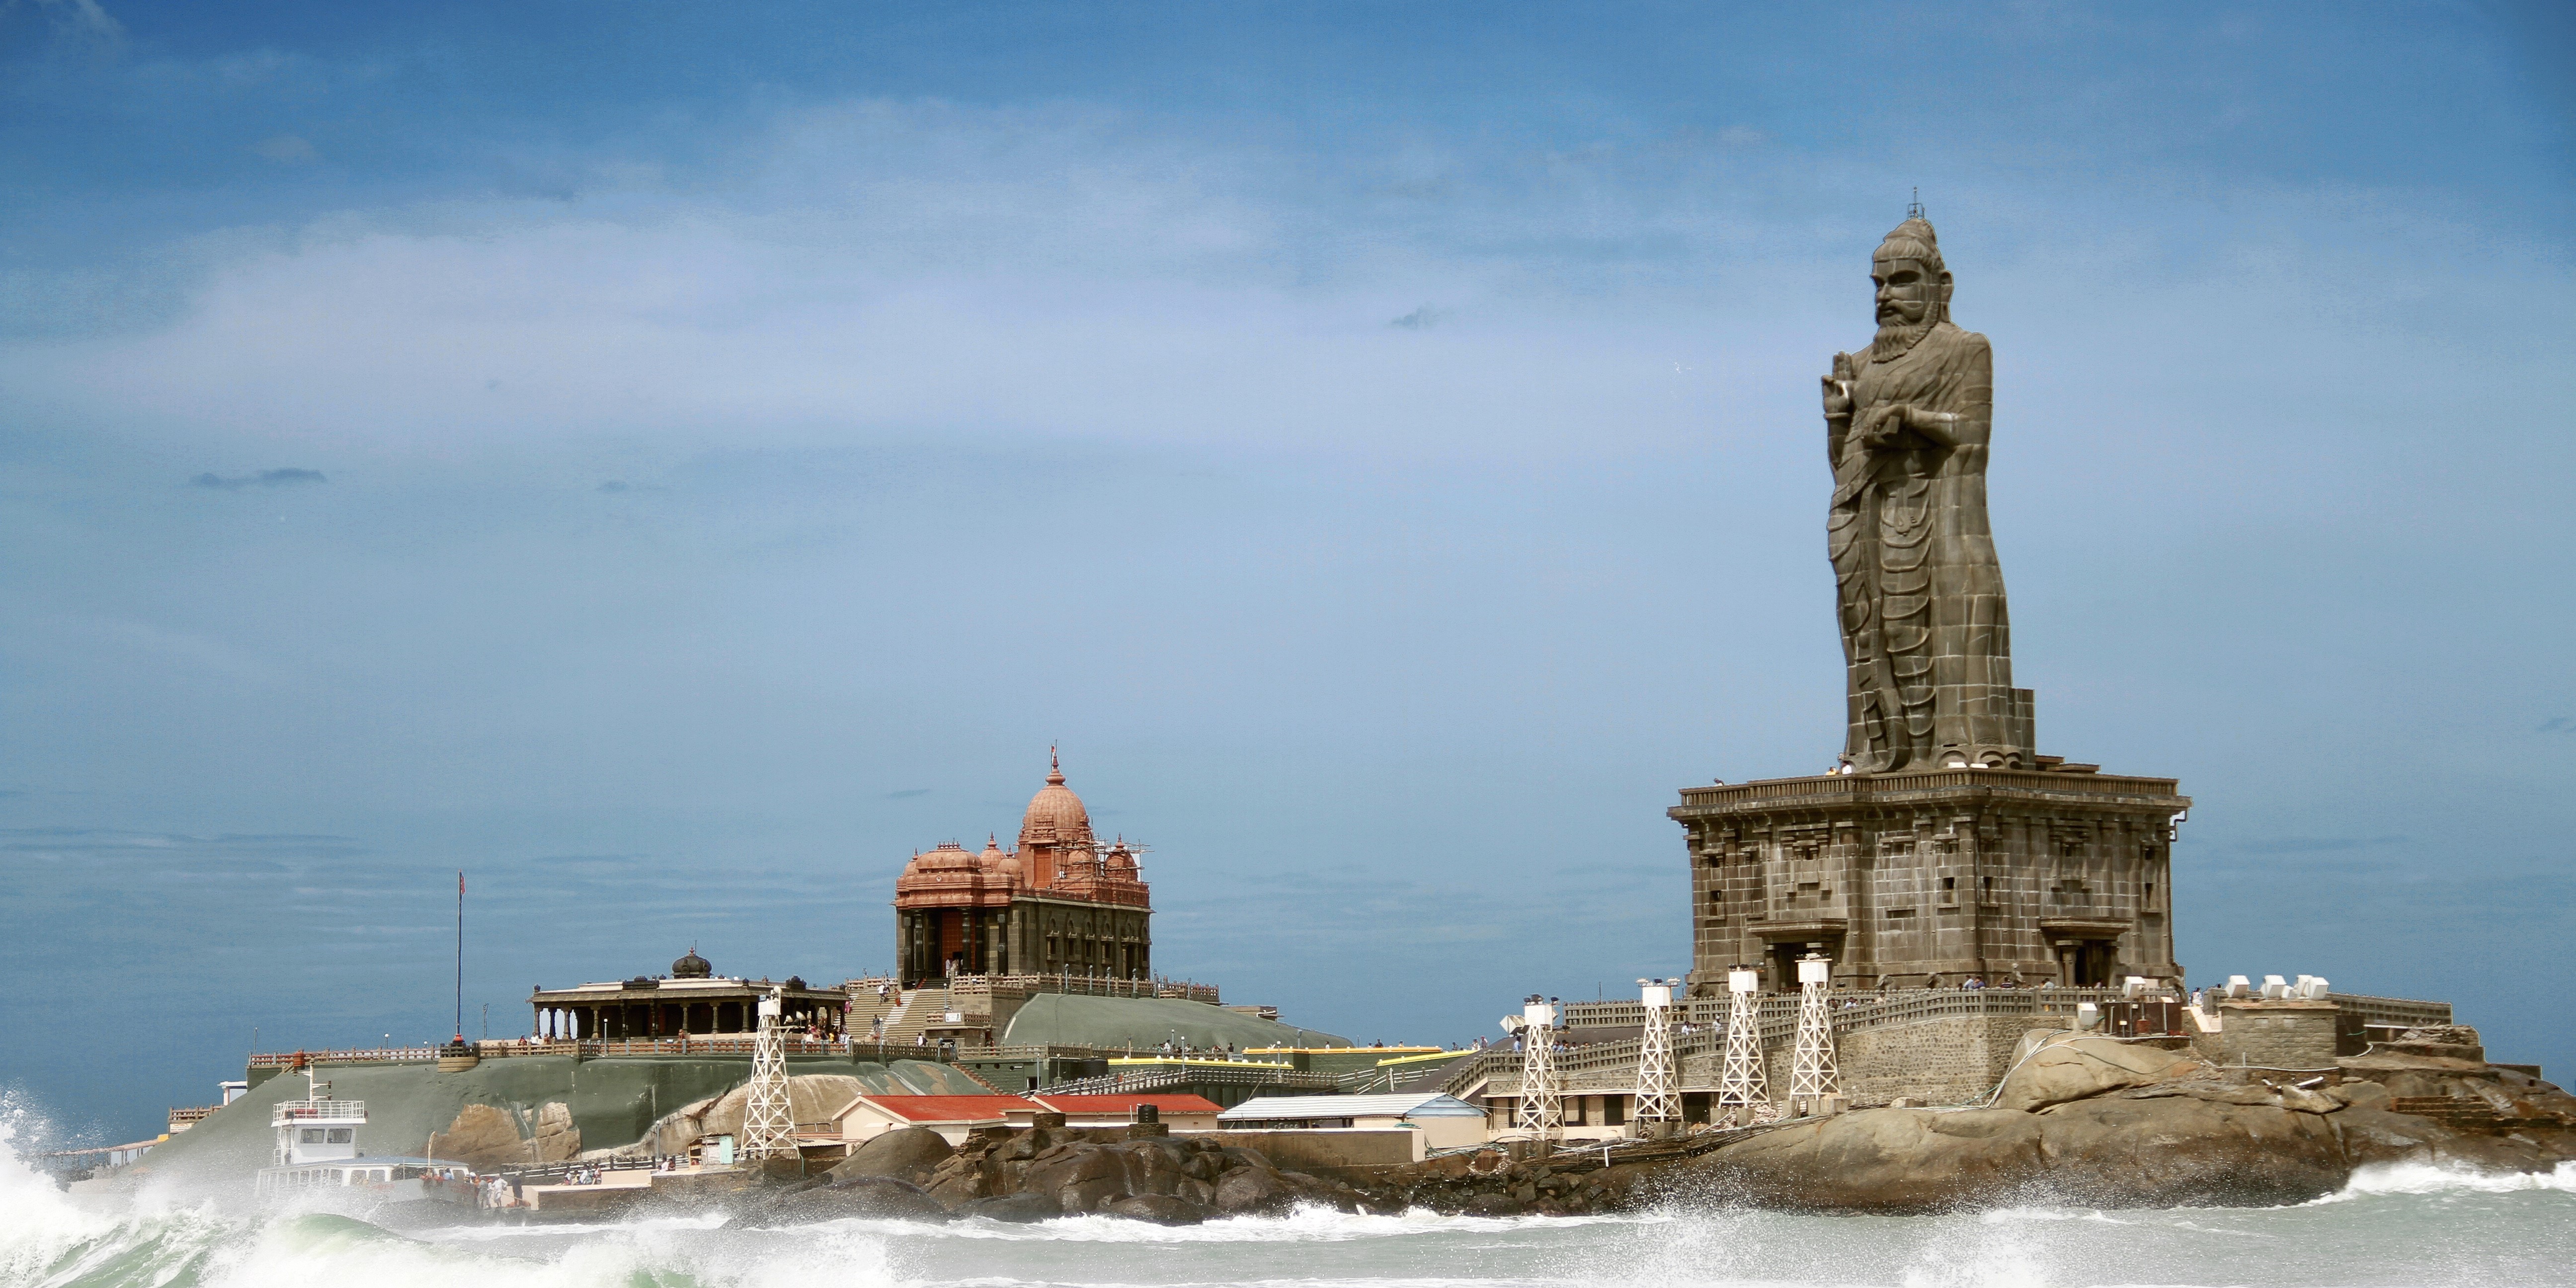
(1055, 815)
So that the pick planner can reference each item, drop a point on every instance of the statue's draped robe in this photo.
(1921, 593)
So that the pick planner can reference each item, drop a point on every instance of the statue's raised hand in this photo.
(1838, 388)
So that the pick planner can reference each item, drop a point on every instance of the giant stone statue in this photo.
(1942, 847)
(1925, 637)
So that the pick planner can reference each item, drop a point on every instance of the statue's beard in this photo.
(1896, 338)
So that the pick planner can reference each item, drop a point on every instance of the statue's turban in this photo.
(1912, 239)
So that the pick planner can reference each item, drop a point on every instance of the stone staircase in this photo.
(920, 1008)
(867, 1009)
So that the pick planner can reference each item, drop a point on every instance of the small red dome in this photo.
(948, 857)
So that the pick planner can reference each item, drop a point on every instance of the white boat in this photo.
(318, 1149)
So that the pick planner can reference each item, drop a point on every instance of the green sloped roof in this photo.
(924, 1078)
(613, 1101)
(1059, 1019)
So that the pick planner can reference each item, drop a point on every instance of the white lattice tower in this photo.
(1742, 1081)
(768, 1124)
(1541, 1114)
(1812, 1075)
(1657, 1101)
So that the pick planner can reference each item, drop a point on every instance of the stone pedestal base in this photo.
(1931, 879)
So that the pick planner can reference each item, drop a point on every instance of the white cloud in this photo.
(85, 22)
(882, 270)
(879, 270)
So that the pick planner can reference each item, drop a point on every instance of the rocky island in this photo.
(2083, 1120)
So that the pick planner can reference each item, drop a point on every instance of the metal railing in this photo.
(1853, 1011)
(2394, 1012)
(1036, 1051)
(1250, 1075)
(722, 1044)
(1067, 982)
(296, 1111)
(341, 1055)
(1868, 786)
(1909, 1002)
(716, 1044)
(552, 1173)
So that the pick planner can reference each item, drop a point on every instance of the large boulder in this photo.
(912, 1153)
(810, 1098)
(2077, 1068)
(490, 1138)
(1018, 1209)
(1092, 1177)
(2171, 1145)
(2183, 1150)
(1872, 1160)
(1253, 1189)
(2373, 1136)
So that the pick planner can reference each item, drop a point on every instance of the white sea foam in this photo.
(43, 1225)
(2446, 1178)
(1308, 1223)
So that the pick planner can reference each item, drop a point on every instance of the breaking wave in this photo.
(2444, 1178)
(2387, 1227)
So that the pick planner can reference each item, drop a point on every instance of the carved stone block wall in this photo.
(1943, 1061)
(2012, 875)
(2277, 1035)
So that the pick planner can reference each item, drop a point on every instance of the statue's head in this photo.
(1913, 287)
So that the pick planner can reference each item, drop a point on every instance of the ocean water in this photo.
(2406, 1225)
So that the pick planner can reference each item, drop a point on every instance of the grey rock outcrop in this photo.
(2106, 1124)
(810, 1097)
(1018, 1209)
(2066, 1068)
(1037, 1172)
(2194, 1135)
(910, 1153)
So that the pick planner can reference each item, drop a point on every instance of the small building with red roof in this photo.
(870, 1115)
(1180, 1113)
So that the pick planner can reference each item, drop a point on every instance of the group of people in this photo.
(1222, 1050)
(1972, 981)
(507, 1191)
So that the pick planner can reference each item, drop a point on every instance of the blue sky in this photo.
(673, 461)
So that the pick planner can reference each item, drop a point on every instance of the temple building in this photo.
(1058, 903)
(692, 999)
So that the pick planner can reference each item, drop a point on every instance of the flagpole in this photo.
(460, 958)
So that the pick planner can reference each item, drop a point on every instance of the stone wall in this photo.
(2012, 875)
(1324, 1151)
(2275, 1035)
(1942, 1061)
